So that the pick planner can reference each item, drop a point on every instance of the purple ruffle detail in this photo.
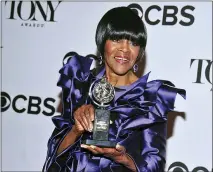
(78, 67)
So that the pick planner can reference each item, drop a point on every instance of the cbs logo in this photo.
(29, 104)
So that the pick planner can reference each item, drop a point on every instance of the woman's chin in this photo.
(121, 72)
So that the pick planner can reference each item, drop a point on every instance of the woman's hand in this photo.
(83, 122)
(117, 154)
(83, 119)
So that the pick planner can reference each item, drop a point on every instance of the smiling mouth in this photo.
(121, 59)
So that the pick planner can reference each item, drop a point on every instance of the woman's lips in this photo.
(121, 60)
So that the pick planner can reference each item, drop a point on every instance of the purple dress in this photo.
(139, 115)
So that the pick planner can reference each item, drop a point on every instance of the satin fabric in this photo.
(138, 112)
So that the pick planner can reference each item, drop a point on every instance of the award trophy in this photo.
(101, 93)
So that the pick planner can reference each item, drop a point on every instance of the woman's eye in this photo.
(116, 40)
(133, 43)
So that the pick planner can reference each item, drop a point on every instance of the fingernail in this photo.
(93, 147)
(88, 129)
(91, 127)
(83, 146)
(118, 146)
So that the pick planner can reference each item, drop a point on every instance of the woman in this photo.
(138, 110)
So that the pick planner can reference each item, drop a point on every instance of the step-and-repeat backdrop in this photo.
(36, 35)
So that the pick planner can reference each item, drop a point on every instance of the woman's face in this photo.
(120, 55)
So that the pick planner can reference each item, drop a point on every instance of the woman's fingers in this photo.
(87, 116)
(84, 116)
(120, 148)
(79, 121)
(88, 111)
(108, 152)
(92, 113)
(90, 148)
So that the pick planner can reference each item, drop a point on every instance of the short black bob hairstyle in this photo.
(121, 23)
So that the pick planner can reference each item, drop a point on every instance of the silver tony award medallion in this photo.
(101, 93)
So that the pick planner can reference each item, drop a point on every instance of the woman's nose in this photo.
(124, 46)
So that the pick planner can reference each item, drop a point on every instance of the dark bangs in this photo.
(116, 33)
(121, 23)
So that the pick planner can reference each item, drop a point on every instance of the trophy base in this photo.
(100, 143)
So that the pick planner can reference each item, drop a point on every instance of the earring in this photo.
(143, 53)
(100, 60)
(135, 68)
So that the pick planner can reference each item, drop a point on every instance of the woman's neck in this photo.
(120, 80)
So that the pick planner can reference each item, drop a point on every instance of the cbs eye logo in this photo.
(31, 104)
(5, 101)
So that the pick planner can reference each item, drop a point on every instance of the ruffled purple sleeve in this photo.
(73, 77)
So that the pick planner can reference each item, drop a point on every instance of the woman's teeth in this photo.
(121, 58)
